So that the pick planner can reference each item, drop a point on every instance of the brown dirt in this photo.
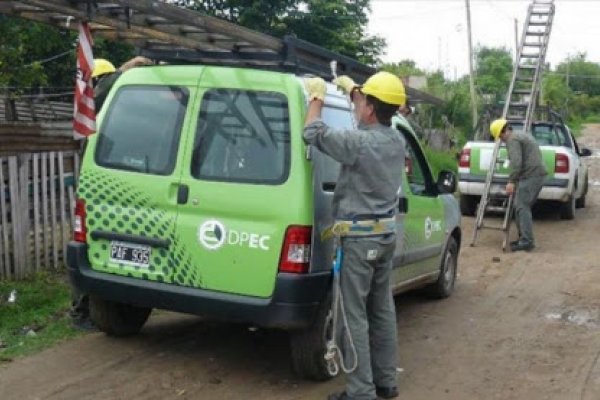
(524, 327)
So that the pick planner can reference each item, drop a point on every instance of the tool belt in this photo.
(360, 228)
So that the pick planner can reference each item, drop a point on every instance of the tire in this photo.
(444, 286)
(567, 209)
(580, 202)
(468, 204)
(117, 319)
(308, 346)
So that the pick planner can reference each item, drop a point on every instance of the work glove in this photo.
(316, 88)
(345, 83)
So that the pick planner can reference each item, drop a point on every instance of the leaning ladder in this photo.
(520, 104)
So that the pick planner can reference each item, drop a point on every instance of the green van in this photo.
(198, 195)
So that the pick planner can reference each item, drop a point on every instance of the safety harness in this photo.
(339, 230)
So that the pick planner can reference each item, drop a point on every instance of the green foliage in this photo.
(494, 71)
(41, 305)
(337, 25)
(33, 54)
(583, 75)
(403, 68)
(441, 160)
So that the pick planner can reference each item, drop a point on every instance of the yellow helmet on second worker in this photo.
(102, 67)
(497, 126)
(386, 87)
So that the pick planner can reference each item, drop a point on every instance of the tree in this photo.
(583, 76)
(403, 68)
(337, 25)
(494, 70)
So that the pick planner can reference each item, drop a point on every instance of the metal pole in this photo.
(471, 73)
(516, 38)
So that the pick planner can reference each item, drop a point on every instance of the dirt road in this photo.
(524, 327)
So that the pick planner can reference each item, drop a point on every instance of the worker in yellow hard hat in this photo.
(372, 158)
(527, 175)
(105, 75)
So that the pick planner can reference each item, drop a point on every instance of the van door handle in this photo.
(402, 205)
(183, 192)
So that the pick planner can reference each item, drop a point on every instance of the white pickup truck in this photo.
(566, 183)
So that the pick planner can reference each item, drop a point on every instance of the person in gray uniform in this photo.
(525, 180)
(372, 161)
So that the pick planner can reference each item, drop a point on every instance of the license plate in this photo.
(130, 254)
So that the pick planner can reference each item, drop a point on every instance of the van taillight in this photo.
(295, 253)
(561, 163)
(465, 158)
(79, 228)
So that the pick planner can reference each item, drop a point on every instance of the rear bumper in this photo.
(293, 305)
(553, 189)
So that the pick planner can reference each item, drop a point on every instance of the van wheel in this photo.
(580, 202)
(444, 286)
(468, 204)
(308, 346)
(567, 209)
(117, 319)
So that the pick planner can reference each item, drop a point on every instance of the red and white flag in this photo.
(84, 115)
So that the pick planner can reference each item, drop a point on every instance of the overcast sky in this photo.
(433, 33)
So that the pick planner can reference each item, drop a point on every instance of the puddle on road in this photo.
(584, 318)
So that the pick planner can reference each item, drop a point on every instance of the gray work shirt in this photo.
(372, 161)
(525, 157)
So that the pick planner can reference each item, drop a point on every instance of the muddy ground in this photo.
(524, 326)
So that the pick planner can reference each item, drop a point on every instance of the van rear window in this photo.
(142, 128)
(242, 136)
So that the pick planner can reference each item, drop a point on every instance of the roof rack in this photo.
(163, 31)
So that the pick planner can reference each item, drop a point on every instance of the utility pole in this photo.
(471, 73)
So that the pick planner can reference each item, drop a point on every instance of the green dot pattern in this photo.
(116, 205)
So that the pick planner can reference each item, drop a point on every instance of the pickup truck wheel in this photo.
(567, 209)
(445, 284)
(308, 346)
(580, 202)
(468, 204)
(117, 319)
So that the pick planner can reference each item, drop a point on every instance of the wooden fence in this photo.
(37, 200)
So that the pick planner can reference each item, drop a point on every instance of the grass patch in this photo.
(441, 160)
(41, 306)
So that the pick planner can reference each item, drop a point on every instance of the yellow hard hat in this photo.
(386, 87)
(102, 66)
(496, 127)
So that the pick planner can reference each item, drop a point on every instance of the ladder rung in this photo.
(519, 105)
(540, 13)
(524, 79)
(496, 228)
(535, 33)
(525, 66)
(529, 55)
(496, 209)
(514, 118)
(521, 91)
(532, 44)
(531, 23)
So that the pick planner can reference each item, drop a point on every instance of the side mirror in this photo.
(585, 152)
(446, 182)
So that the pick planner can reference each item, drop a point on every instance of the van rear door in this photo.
(130, 180)
(241, 194)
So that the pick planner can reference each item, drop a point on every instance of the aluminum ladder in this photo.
(519, 106)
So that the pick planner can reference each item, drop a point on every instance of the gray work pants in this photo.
(527, 192)
(369, 306)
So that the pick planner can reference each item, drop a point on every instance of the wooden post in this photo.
(53, 218)
(471, 72)
(24, 214)
(63, 217)
(45, 210)
(13, 190)
(4, 223)
(36, 211)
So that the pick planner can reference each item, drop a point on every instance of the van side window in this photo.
(417, 171)
(242, 136)
(142, 128)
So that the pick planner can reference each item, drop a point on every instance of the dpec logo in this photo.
(211, 234)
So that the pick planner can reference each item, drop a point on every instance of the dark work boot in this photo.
(522, 245)
(340, 396)
(386, 392)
